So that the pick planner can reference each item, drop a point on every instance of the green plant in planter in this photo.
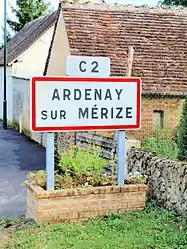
(85, 166)
(82, 161)
(137, 178)
(62, 182)
(79, 167)
(38, 178)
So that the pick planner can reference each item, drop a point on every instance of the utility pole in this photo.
(5, 67)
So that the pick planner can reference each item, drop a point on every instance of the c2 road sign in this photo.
(87, 66)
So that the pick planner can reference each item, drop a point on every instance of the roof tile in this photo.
(159, 37)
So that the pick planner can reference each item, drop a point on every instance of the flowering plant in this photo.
(136, 177)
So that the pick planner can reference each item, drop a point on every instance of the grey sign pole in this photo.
(50, 161)
(5, 68)
(121, 135)
(121, 158)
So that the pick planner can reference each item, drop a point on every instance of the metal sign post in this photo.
(50, 161)
(121, 158)
(121, 135)
(5, 68)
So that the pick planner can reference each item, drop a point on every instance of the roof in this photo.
(27, 36)
(158, 35)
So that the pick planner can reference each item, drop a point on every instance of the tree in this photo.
(181, 134)
(26, 11)
(8, 35)
(174, 2)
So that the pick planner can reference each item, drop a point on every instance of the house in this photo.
(26, 54)
(159, 38)
(27, 50)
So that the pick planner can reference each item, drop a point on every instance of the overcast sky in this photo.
(55, 4)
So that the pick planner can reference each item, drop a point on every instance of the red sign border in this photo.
(83, 128)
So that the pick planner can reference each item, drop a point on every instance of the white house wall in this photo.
(32, 61)
(60, 50)
(21, 111)
(9, 92)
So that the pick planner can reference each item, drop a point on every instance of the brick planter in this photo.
(82, 203)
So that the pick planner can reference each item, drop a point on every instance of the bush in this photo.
(79, 160)
(181, 134)
(85, 166)
(78, 167)
(162, 144)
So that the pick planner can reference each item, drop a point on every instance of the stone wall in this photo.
(167, 179)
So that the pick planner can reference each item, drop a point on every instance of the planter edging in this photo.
(83, 203)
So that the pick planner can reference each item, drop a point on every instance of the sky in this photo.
(55, 4)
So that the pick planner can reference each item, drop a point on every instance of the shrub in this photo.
(162, 144)
(181, 134)
(38, 178)
(85, 166)
(79, 160)
(79, 167)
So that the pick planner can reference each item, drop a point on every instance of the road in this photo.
(18, 156)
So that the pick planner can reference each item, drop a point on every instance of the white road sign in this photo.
(68, 103)
(85, 66)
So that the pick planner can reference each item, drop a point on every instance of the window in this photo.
(158, 119)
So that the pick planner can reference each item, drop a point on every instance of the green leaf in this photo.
(26, 11)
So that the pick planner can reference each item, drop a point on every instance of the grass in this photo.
(162, 144)
(151, 228)
(8, 226)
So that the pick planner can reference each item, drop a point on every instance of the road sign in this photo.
(86, 66)
(68, 103)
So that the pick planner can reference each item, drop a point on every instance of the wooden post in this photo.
(129, 61)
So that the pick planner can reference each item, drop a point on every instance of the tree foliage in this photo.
(26, 11)
(8, 36)
(182, 134)
(174, 2)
